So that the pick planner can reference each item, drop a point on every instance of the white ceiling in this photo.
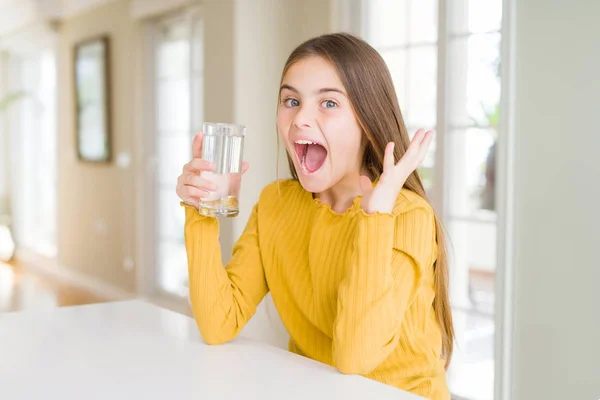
(68, 8)
(26, 25)
(17, 14)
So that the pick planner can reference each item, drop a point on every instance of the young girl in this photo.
(350, 248)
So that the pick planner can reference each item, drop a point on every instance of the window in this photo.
(445, 67)
(178, 80)
(33, 147)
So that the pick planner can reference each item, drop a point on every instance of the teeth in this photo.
(302, 141)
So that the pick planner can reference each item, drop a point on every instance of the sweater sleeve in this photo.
(223, 299)
(390, 255)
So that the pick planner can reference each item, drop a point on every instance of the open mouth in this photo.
(311, 155)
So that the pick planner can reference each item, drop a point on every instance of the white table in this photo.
(135, 350)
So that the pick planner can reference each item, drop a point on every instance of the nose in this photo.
(304, 117)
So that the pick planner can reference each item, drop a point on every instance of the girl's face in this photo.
(317, 125)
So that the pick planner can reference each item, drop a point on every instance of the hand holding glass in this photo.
(211, 180)
(223, 146)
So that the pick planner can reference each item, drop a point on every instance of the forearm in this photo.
(367, 325)
(223, 299)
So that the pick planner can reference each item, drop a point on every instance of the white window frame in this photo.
(25, 69)
(147, 284)
(504, 311)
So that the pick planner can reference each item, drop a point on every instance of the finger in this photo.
(199, 165)
(366, 186)
(199, 182)
(196, 192)
(197, 146)
(416, 152)
(425, 144)
(418, 136)
(388, 157)
(413, 149)
(419, 153)
(245, 167)
(184, 194)
(236, 178)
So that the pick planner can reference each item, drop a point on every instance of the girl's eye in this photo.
(329, 104)
(291, 103)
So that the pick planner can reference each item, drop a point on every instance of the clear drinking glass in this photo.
(223, 145)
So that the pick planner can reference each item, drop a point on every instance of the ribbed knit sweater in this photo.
(353, 290)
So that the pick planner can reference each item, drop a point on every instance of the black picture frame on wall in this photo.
(92, 100)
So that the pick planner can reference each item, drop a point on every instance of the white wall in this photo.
(557, 204)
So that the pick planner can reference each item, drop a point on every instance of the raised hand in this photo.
(382, 197)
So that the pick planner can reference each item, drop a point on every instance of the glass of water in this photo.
(223, 145)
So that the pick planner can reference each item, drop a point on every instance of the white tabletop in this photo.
(135, 350)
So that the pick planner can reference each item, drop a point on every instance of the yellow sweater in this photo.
(354, 291)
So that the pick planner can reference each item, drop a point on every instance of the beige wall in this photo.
(557, 200)
(95, 201)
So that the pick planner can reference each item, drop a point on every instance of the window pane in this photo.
(396, 63)
(474, 80)
(472, 255)
(47, 164)
(423, 20)
(172, 59)
(414, 73)
(173, 105)
(197, 76)
(174, 150)
(197, 105)
(172, 268)
(421, 81)
(471, 173)
(471, 373)
(171, 216)
(387, 22)
(197, 45)
(474, 16)
(178, 94)
(172, 54)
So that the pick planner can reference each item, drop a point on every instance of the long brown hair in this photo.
(370, 90)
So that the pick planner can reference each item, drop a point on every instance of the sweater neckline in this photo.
(319, 205)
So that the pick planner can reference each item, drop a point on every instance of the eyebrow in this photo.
(320, 91)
